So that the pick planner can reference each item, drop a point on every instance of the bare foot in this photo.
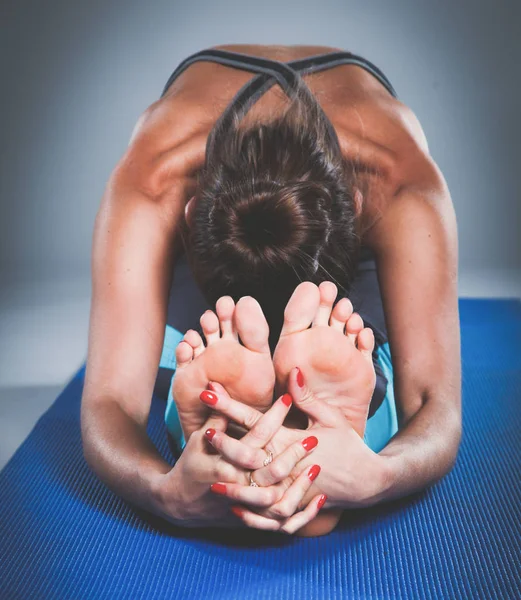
(333, 348)
(246, 371)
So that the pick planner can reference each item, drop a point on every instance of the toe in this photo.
(328, 293)
(251, 324)
(365, 343)
(210, 325)
(354, 326)
(301, 308)
(225, 308)
(195, 341)
(183, 354)
(341, 313)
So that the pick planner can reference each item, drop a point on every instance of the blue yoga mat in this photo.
(64, 535)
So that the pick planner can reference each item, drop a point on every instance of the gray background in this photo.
(76, 76)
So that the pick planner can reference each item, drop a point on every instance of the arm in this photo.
(132, 262)
(134, 247)
(416, 247)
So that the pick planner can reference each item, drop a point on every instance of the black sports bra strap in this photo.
(303, 66)
(253, 89)
(287, 75)
(283, 74)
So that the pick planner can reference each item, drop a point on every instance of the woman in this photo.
(264, 192)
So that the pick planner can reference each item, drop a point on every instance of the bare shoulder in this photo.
(420, 191)
(422, 203)
(167, 144)
(282, 53)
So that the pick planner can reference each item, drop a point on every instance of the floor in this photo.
(43, 341)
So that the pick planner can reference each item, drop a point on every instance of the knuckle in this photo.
(250, 460)
(297, 452)
(267, 498)
(277, 470)
(260, 431)
(305, 398)
(250, 420)
(274, 496)
(281, 510)
(225, 471)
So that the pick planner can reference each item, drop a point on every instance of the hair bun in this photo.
(274, 222)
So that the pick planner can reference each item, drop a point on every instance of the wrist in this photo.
(382, 480)
(389, 469)
(163, 495)
(156, 488)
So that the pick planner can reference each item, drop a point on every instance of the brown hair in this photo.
(274, 207)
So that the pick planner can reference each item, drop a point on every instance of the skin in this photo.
(405, 216)
(334, 350)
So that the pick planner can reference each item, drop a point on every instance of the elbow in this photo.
(450, 442)
(87, 441)
(455, 432)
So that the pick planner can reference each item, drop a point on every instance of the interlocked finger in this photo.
(262, 497)
(235, 451)
(284, 464)
(292, 498)
(294, 523)
(268, 425)
(298, 520)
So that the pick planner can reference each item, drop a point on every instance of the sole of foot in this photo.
(332, 346)
(236, 355)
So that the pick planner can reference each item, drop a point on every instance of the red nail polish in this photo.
(310, 442)
(287, 399)
(209, 433)
(218, 488)
(313, 472)
(300, 378)
(208, 398)
(237, 511)
(321, 501)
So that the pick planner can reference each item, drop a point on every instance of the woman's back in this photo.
(374, 128)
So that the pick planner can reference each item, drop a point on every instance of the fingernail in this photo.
(237, 511)
(321, 501)
(300, 378)
(218, 488)
(287, 399)
(313, 472)
(209, 433)
(310, 442)
(208, 398)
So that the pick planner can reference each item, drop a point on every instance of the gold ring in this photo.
(268, 458)
(252, 483)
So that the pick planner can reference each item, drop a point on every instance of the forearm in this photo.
(119, 451)
(423, 451)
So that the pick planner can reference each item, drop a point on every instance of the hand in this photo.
(352, 474)
(183, 494)
(276, 489)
